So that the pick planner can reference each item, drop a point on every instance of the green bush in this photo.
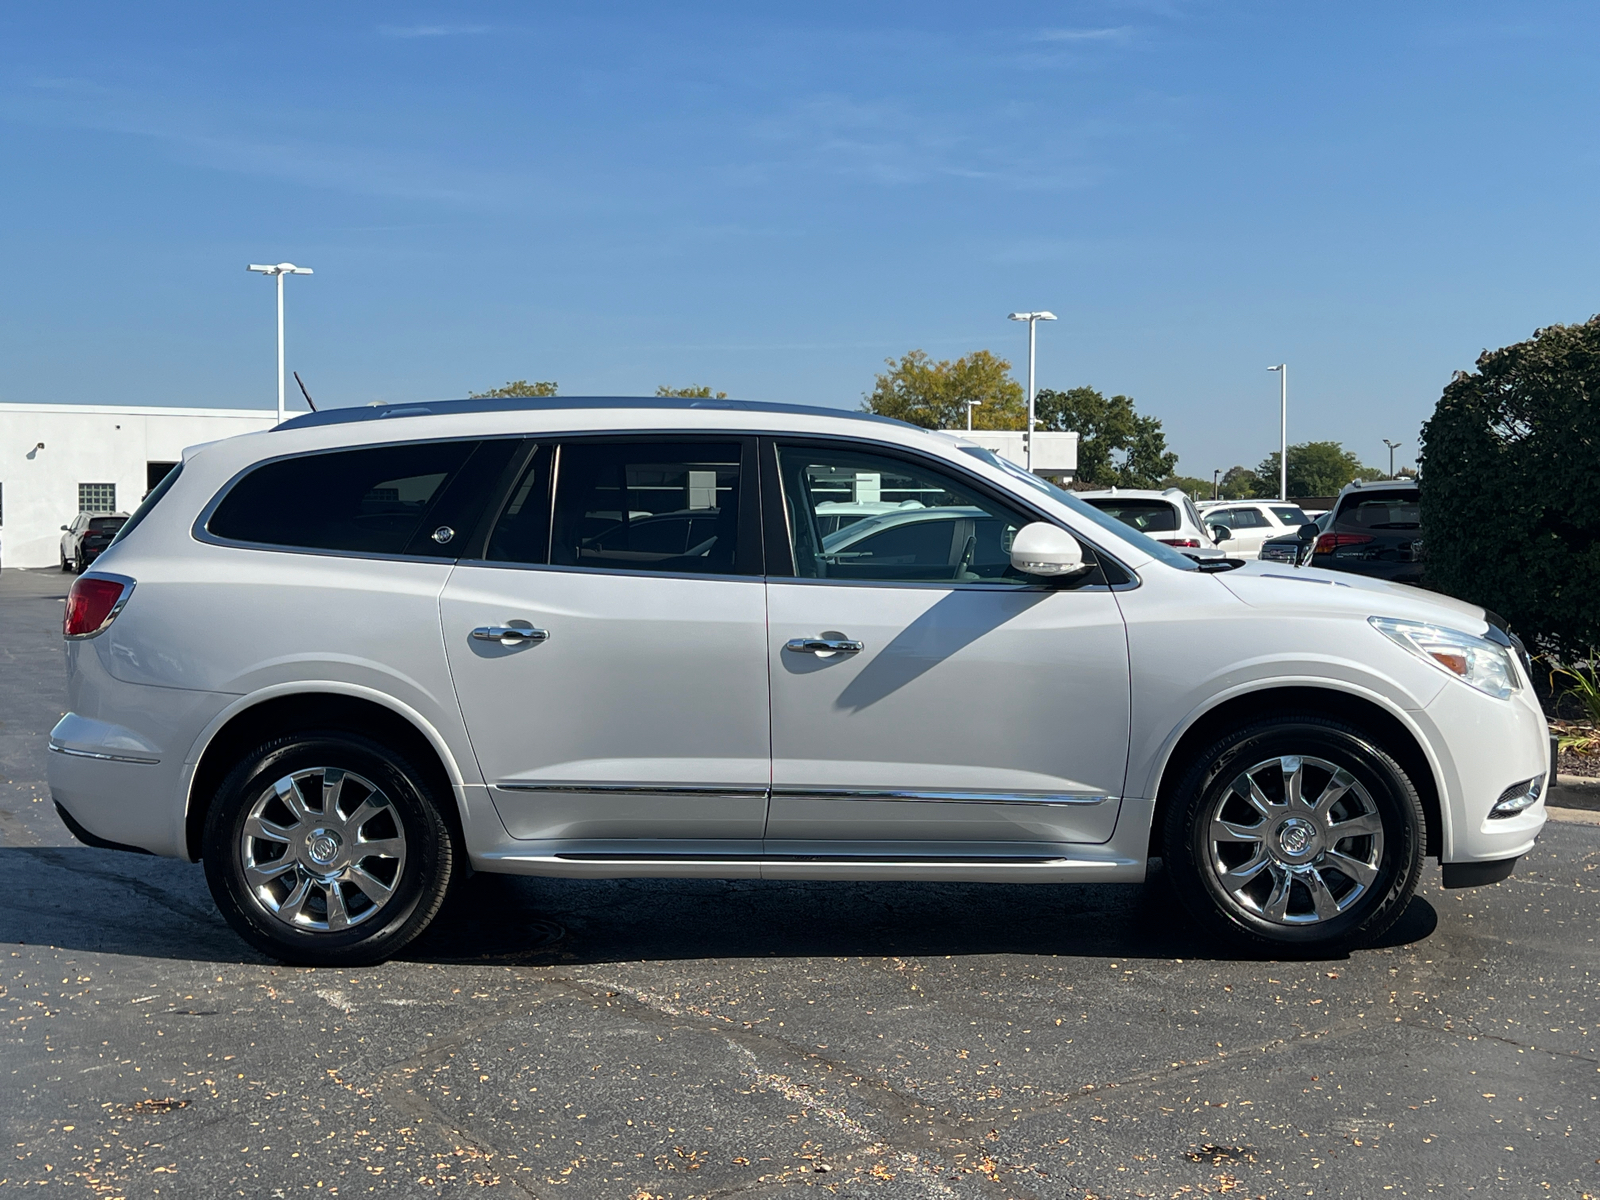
(1511, 487)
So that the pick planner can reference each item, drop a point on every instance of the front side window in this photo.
(906, 522)
(648, 506)
(419, 498)
(1290, 515)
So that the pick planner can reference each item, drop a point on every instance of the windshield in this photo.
(1109, 523)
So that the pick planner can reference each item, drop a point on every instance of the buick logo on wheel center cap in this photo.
(1295, 837)
(323, 847)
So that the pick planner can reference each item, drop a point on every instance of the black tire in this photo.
(422, 869)
(1368, 895)
(65, 565)
(78, 565)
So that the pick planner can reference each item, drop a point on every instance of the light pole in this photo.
(1032, 318)
(971, 404)
(1283, 430)
(1393, 446)
(1216, 488)
(280, 271)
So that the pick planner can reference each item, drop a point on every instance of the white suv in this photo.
(1251, 523)
(1169, 516)
(341, 660)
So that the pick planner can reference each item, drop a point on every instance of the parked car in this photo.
(86, 538)
(1295, 547)
(1169, 516)
(1375, 530)
(1251, 523)
(342, 661)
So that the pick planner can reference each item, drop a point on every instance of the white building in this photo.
(57, 460)
(1055, 455)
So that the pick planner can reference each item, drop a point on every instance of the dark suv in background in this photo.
(86, 537)
(1375, 529)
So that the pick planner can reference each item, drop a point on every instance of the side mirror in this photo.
(1310, 531)
(63, 529)
(1044, 549)
(1220, 533)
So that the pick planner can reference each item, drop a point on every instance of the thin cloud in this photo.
(424, 31)
(1117, 34)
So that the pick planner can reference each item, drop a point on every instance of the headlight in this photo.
(1475, 661)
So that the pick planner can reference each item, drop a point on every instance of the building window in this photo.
(97, 497)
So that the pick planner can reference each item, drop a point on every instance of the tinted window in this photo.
(1394, 510)
(1147, 516)
(915, 524)
(381, 500)
(1290, 515)
(648, 506)
(106, 524)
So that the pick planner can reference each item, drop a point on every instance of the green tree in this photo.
(1241, 483)
(1108, 428)
(1199, 489)
(516, 390)
(1315, 469)
(691, 393)
(1511, 487)
(935, 394)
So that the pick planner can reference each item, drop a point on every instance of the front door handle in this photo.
(514, 633)
(822, 647)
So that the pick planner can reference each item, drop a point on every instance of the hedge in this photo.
(1511, 487)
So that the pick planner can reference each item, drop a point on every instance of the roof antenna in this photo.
(303, 391)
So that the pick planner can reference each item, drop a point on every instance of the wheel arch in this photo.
(258, 718)
(1394, 734)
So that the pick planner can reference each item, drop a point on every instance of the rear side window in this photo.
(1147, 516)
(1290, 515)
(1395, 510)
(649, 506)
(421, 498)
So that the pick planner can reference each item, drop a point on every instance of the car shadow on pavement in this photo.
(508, 919)
(115, 903)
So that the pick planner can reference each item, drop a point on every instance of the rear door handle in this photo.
(514, 633)
(824, 646)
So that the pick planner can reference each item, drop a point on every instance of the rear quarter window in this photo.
(375, 500)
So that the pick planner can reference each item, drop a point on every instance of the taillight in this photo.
(93, 604)
(1187, 543)
(1327, 543)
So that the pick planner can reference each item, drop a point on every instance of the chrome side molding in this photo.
(55, 748)
(807, 793)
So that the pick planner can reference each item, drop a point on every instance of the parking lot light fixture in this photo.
(1033, 319)
(1216, 487)
(1393, 446)
(971, 404)
(280, 270)
(1283, 429)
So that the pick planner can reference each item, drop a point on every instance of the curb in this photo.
(1574, 791)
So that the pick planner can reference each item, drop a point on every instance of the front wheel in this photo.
(1299, 831)
(327, 849)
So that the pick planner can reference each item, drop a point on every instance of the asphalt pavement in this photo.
(658, 1039)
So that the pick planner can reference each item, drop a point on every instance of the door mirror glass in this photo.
(1309, 531)
(1046, 550)
(1220, 533)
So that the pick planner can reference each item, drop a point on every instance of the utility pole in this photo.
(1283, 430)
(1032, 318)
(280, 271)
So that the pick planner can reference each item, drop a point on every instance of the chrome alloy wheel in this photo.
(323, 849)
(1295, 841)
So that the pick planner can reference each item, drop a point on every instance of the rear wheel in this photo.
(327, 849)
(65, 565)
(1296, 830)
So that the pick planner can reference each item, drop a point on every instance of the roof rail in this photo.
(441, 408)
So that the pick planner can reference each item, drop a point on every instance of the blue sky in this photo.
(772, 199)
